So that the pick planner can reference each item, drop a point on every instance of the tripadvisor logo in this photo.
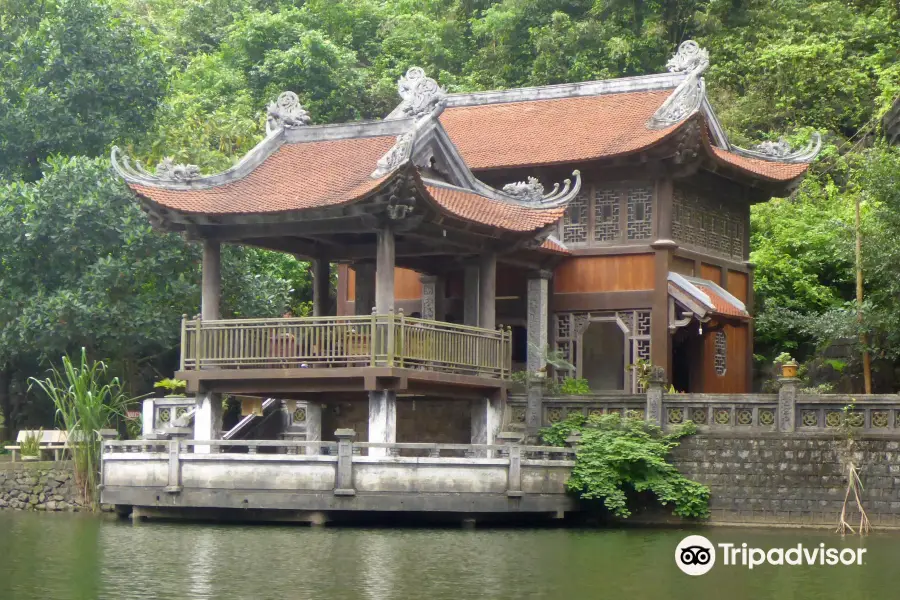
(696, 555)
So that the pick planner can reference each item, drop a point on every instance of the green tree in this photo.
(75, 75)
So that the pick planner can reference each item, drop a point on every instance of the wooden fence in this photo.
(392, 340)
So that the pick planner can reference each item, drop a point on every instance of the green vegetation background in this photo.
(80, 265)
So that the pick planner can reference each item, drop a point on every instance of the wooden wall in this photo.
(621, 273)
(406, 285)
(735, 380)
(711, 272)
(738, 284)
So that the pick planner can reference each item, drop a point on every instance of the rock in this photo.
(3, 503)
(58, 498)
(40, 507)
(51, 505)
(32, 500)
(22, 496)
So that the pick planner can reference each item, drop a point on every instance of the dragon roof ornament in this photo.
(285, 112)
(167, 171)
(396, 156)
(420, 94)
(781, 151)
(688, 96)
(531, 192)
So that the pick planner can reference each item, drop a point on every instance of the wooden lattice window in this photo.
(575, 221)
(610, 213)
(718, 228)
(640, 213)
(606, 214)
(721, 353)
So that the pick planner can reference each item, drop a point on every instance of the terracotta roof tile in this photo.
(541, 132)
(294, 177)
(724, 306)
(505, 215)
(774, 171)
(553, 245)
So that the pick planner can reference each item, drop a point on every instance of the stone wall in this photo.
(45, 486)
(424, 419)
(790, 479)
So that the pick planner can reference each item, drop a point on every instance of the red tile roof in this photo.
(773, 171)
(294, 177)
(554, 246)
(723, 305)
(504, 215)
(541, 132)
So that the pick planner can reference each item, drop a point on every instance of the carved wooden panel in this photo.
(575, 220)
(640, 213)
(610, 213)
(607, 203)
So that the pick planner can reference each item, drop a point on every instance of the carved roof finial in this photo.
(168, 169)
(690, 57)
(531, 192)
(285, 112)
(420, 94)
(396, 156)
(781, 151)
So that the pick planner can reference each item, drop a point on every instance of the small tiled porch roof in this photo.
(708, 297)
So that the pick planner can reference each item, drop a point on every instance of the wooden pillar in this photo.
(384, 271)
(211, 281)
(433, 296)
(470, 295)
(364, 294)
(664, 248)
(538, 309)
(487, 291)
(321, 272)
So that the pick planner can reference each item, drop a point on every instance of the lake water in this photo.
(65, 556)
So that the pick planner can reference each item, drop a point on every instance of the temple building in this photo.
(473, 233)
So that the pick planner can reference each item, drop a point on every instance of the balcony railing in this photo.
(389, 340)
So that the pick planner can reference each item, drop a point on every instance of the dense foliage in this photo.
(190, 78)
(618, 457)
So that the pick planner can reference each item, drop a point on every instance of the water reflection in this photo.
(72, 557)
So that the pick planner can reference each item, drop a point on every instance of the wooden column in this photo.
(487, 291)
(364, 294)
(538, 309)
(470, 295)
(321, 272)
(211, 281)
(384, 271)
(433, 296)
(664, 248)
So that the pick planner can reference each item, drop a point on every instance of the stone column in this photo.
(538, 309)
(787, 404)
(382, 420)
(211, 286)
(207, 420)
(653, 413)
(384, 271)
(487, 291)
(321, 272)
(470, 295)
(148, 417)
(433, 296)
(487, 418)
(534, 407)
(364, 295)
(313, 426)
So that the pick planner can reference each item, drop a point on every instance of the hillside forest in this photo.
(81, 267)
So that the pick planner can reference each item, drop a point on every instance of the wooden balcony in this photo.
(381, 351)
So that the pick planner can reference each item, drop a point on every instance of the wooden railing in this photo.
(392, 340)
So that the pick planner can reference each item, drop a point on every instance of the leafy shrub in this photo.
(572, 386)
(31, 443)
(618, 455)
(174, 387)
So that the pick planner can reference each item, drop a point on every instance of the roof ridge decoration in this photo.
(166, 171)
(531, 192)
(688, 96)
(285, 112)
(421, 94)
(396, 156)
(781, 151)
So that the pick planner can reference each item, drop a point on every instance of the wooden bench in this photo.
(54, 439)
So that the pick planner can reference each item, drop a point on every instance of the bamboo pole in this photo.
(863, 337)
